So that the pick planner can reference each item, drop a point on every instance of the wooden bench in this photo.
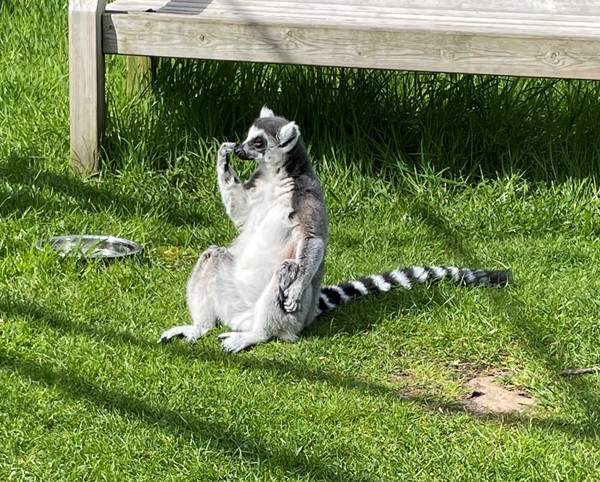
(539, 38)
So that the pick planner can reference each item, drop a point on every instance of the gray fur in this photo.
(267, 284)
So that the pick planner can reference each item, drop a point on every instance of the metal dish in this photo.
(90, 246)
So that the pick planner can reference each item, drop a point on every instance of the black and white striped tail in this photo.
(336, 295)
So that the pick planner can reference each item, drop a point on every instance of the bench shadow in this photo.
(24, 172)
(384, 128)
(536, 337)
(183, 7)
(207, 350)
(179, 423)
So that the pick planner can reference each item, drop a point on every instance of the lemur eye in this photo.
(258, 143)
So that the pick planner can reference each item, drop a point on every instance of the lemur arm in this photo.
(232, 190)
(309, 256)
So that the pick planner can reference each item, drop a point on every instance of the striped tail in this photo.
(336, 295)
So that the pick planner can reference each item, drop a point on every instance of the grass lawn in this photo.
(418, 169)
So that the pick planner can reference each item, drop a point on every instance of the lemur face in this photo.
(269, 139)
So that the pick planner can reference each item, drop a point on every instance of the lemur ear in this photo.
(288, 136)
(266, 112)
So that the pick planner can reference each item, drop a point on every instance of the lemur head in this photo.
(271, 139)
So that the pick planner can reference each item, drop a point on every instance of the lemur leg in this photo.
(232, 190)
(310, 254)
(295, 322)
(270, 318)
(202, 295)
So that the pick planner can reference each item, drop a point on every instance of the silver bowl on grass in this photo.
(90, 246)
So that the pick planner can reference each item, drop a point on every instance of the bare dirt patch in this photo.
(486, 396)
(489, 397)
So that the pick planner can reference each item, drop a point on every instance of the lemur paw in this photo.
(236, 341)
(292, 297)
(288, 273)
(226, 148)
(224, 171)
(190, 332)
(211, 252)
(224, 151)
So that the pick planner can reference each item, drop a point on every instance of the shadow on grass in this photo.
(465, 125)
(229, 440)
(24, 173)
(536, 337)
(78, 387)
(359, 315)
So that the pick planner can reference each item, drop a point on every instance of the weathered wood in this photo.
(86, 83)
(139, 74)
(538, 38)
(585, 8)
(330, 11)
(505, 46)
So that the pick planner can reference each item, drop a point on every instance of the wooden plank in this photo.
(547, 7)
(139, 74)
(416, 46)
(335, 8)
(135, 5)
(371, 16)
(363, 16)
(86, 83)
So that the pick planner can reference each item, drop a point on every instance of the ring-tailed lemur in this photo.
(267, 284)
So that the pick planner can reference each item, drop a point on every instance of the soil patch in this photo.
(489, 397)
(486, 397)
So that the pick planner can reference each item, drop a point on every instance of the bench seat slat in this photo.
(340, 7)
(378, 35)
(373, 16)
(583, 8)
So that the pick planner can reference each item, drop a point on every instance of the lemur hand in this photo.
(223, 160)
(224, 151)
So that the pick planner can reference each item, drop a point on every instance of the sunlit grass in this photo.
(417, 168)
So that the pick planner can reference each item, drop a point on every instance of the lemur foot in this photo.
(287, 274)
(288, 337)
(190, 332)
(236, 341)
(211, 252)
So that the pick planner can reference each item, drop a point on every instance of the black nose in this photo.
(241, 152)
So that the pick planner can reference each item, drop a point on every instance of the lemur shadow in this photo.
(32, 187)
(361, 314)
(207, 350)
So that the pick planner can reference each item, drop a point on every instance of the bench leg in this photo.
(86, 83)
(140, 71)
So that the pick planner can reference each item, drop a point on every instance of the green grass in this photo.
(417, 169)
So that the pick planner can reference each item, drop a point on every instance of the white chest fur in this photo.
(267, 237)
